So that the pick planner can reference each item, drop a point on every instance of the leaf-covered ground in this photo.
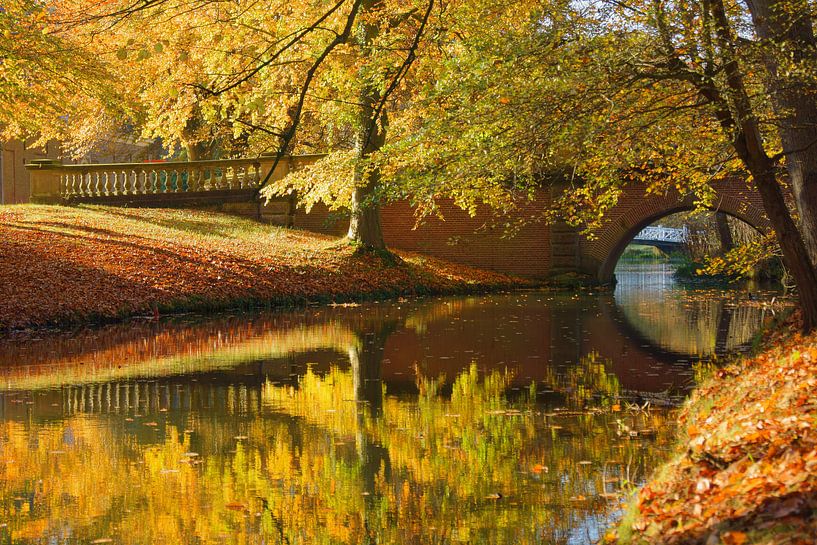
(747, 468)
(62, 265)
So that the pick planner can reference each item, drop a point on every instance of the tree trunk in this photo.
(197, 151)
(724, 233)
(795, 255)
(364, 225)
(786, 27)
(740, 121)
(749, 146)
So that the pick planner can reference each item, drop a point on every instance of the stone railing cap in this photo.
(44, 163)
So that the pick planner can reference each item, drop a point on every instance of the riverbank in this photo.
(746, 465)
(70, 265)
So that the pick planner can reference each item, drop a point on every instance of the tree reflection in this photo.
(225, 437)
(330, 460)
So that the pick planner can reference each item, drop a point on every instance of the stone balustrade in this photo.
(54, 182)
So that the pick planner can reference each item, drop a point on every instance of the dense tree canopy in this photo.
(51, 86)
(424, 99)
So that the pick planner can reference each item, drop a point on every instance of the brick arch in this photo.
(634, 212)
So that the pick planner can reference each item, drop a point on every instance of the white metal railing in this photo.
(663, 234)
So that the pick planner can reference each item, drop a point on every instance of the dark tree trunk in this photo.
(724, 233)
(741, 123)
(786, 28)
(364, 225)
(198, 151)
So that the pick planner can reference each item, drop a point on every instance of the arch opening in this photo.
(621, 231)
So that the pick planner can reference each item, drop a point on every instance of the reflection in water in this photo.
(475, 420)
(696, 322)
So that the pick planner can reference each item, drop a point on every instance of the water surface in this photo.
(496, 419)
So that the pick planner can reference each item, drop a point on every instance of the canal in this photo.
(514, 418)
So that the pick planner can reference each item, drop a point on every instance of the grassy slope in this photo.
(746, 470)
(61, 264)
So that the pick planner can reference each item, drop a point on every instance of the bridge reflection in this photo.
(540, 338)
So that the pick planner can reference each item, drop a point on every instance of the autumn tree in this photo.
(663, 95)
(51, 87)
(364, 78)
(787, 44)
(276, 76)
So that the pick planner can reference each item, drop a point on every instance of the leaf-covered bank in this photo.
(746, 471)
(64, 265)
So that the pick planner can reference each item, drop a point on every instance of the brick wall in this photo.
(635, 210)
(481, 241)
(535, 250)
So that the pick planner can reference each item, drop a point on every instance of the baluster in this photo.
(64, 186)
(175, 179)
(143, 177)
(199, 179)
(206, 179)
(133, 175)
(241, 172)
(106, 189)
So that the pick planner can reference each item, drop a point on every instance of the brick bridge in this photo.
(539, 250)
(535, 250)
